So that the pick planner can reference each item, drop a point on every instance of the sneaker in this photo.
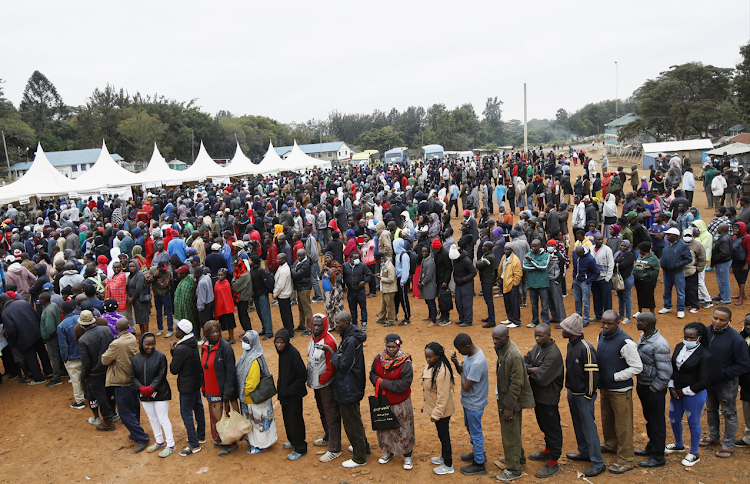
(228, 449)
(443, 469)
(635, 316)
(716, 298)
(169, 334)
(320, 442)
(508, 475)
(465, 325)
(531, 325)
(95, 420)
(692, 311)
(408, 463)
(548, 471)
(507, 321)
(78, 405)
(707, 305)
(437, 460)
(349, 464)
(681, 314)
(386, 458)
(474, 469)
(364, 325)
(53, 383)
(156, 446)
(329, 456)
(665, 310)
(188, 451)
(488, 325)
(368, 451)
(160, 332)
(690, 460)
(512, 325)
(672, 448)
(166, 452)
(287, 445)
(404, 322)
(36, 382)
(445, 322)
(116, 417)
(294, 455)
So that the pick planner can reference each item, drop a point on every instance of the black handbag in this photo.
(265, 389)
(381, 414)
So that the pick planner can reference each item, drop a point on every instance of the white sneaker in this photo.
(690, 460)
(329, 456)
(349, 464)
(694, 310)
(408, 463)
(437, 460)
(386, 458)
(635, 316)
(626, 321)
(443, 469)
(665, 310)
(512, 325)
(169, 334)
(680, 314)
(95, 420)
(351, 449)
(159, 333)
(672, 448)
(507, 321)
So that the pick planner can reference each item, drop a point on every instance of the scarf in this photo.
(239, 269)
(389, 362)
(246, 360)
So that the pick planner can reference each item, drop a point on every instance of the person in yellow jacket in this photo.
(509, 275)
(251, 366)
(437, 386)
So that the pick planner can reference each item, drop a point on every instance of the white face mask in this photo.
(354, 262)
(246, 346)
(551, 250)
(687, 238)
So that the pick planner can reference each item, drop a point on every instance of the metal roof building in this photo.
(72, 164)
(331, 151)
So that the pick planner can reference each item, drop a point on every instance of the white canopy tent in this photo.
(106, 173)
(241, 165)
(158, 173)
(272, 162)
(203, 167)
(42, 180)
(298, 160)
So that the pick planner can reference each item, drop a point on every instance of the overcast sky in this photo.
(295, 60)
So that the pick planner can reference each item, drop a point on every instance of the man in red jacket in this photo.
(319, 377)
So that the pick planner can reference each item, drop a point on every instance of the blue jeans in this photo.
(316, 280)
(692, 406)
(538, 294)
(722, 279)
(625, 297)
(721, 399)
(263, 308)
(129, 409)
(473, 422)
(677, 280)
(191, 403)
(584, 425)
(582, 296)
(165, 302)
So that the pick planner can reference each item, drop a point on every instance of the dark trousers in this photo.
(444, 434)
(537, 295)
(465, 302)
(207, 314)
(98, 390)
(53, 352)
(689, 195)
(691, 291)
(656, 425)
(355, 431)
(294, 422)
(30, 355)
(548, 418)
(191, 403)
(431, 310)
(330, 418)
(164, 304)
(488, 299)
(601, 293)
(357, 298)
(285, 308)
(263, 308)
(453, 203)
(512, 302)
(10, 366)
(129, 406)
(373, 280)
(244, 316)
(402, 300)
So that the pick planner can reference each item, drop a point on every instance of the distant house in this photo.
(72, 164)
(743, 138)
(736, 129)
(177, 165)
(333, 151)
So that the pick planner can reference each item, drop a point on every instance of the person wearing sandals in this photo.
(186, 364)
(392, 373)
(219, 380)
(692, 366)
(437, 386)
(148, 371)
(320, 375)
(292, 389)
(731, 360)
(250, 368)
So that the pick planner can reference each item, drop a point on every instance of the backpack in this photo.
(268, 280)
(445, 300)
(739, 253)
(413, 261)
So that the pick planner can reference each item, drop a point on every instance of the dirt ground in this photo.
(43, 440)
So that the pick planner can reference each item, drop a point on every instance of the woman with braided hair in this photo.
(437, 385)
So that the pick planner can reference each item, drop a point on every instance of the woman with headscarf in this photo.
(351, 244)
(137, 287)
(437, 387)
(391, 373)
(102, 263)
(615, 239)
(434, 229)
(609, 211)
(219, 380)
(624, 262)
(292, 389)
(250, 368)
(645, 276)
(334, 297)
(593, 232)
(138, 257)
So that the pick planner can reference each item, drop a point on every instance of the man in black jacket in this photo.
(463, 274)
(467, 240)
(21, 323)
(186, 364)
(292, 389)
(356, 278)
(349, 385)
(443, 274)
(261, 283)
(721, 261)
(486, 267)
(302, 280)
(92, 344)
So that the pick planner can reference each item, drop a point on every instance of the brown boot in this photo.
(106, 426)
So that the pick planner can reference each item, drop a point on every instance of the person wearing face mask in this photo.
(356, 278)
(693, 269)
(250, 368)
(730, 361)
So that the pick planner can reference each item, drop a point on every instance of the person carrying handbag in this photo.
(251, 370)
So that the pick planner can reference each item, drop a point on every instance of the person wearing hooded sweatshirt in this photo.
(320, 376)
(23, 279)
(186, 364)
(292, 389)
(403, 265)
(148, 371)
(49, 321)
(384, 243)
(701, 233)
(42, 278)
(585, 272)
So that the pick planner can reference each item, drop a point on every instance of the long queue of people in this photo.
(200, 255)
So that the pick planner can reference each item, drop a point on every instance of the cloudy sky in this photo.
(294, 60)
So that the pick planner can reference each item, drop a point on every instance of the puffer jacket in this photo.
(349, 361)
(151, 371)
(186, 364)
(92, 345)
(464, 271)
(302, 275)
(657, 361)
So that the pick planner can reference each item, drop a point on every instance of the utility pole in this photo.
(192, 145)
(525, 126)
(6, 152)
(617, 88)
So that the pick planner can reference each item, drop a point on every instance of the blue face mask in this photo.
(691, 344)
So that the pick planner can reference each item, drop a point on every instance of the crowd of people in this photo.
(81, 278)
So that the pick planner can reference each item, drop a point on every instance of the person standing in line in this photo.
(282, 292)
(535, 265)
(464, 273)
(675, 257)
(585, 272)
(204, 294)
(693, 269)
(388, 288)
(545, 367)
(48, 323)
(652, 388)
(186, 364)
(356, 277)
(509, 275)
(69, 352)
(443, 273)
(92, 344)
(745, 389)
(513, 395)
(618, 360)
(582, 381)
(292, 389)
(261, 288)
(486, 267)
(302, 276)
(437, 386)
(474, 390)
(349, 385)
(601, 288)
(721, 261)
(428, 285)
(403, 264)
(224, 304)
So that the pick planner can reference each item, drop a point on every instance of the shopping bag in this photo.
(232, 427)
(381, 414)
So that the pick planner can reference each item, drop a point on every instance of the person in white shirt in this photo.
(718, 185)
(601, 289)
(579, 214)
(282, 292)
(688, 184)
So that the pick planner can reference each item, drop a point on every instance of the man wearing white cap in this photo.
(675, 257)
(186, 364)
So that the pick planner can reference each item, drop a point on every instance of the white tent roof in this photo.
(241, 165)
(105, 173)
(298, 160)
(158, 173)
(41, 180)
(731, 149)
(272, 162)
(203, 167)
(672, 146)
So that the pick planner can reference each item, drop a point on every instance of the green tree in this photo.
(140, 130)
(492, 122)
(382, 139)
(742, 83)
(41, 103)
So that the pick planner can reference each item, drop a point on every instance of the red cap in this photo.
(467, 212)
(436, 244)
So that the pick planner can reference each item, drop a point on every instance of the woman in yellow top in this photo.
(437, 386)
(581, 239)
(250, 367)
